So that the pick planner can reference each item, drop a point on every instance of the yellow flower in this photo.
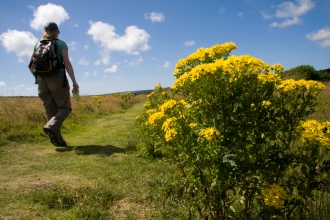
(274, 196)
(170, 133)
(137, 117)
(158, 86)
(266, 103)
(154, 117)
(193, 125)
(168, 105)
(150, 94)
(209, 133)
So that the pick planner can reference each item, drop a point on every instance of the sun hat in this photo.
(51, 26)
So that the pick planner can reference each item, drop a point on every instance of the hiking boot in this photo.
(53, 137)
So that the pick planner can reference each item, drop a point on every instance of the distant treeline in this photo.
(307, 72)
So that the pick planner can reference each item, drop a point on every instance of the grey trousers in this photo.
(56, 100)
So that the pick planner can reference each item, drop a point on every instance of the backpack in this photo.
(45, 59)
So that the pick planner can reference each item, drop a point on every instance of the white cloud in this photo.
(155, 16)
(241, 15)
(47, 13)
(105, 57)
(135, 62)
(32, 88)
(74, 25)
(265, 15)
(19, 42)
(94, 73)
(86, 47)
(166, 65)
(132, 42)
(86, 74)
(290, 12)
(72, 45)
(2, 83)
(322, 36)
(83, 62)
(112, 69)
(189, 43)
(18, 86)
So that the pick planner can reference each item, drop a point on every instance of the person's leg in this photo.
(61, 97)
(46, 97)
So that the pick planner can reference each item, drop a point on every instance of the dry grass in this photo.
(22, 117)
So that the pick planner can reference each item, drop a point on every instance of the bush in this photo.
(306, 72)
(232, 126)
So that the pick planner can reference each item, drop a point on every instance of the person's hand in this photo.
(75, 88)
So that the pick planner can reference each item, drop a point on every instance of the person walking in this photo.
(54, 89)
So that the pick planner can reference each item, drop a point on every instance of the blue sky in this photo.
(128, 45)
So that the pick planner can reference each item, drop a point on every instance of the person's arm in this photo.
(69, 69)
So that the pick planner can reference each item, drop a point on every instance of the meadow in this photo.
(231, 139)
(102, 173)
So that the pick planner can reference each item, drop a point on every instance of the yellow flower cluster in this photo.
(201, 55)
(209, 133)
(151, 111)
(168, 105)
(268, 77)
(313, 132)
(171, 103)
(170, 133)
(150, 94)
(154, 117)
(232, 68)
(291, 84)
(274, 196)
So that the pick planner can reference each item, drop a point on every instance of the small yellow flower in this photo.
(266, 103)
(193, 125)
(137, 117)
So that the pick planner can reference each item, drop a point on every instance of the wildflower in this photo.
(146, 104)
(150, 94)
(154, 117)
(168, 105)
(209, 133)
(137, 117)
(266, 103)
(157, 86)
(274, 196)
(315, 133)
(170, 133)
(193, 125)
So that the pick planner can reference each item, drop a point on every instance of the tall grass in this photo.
(22, 118)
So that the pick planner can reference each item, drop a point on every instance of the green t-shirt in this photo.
(61, 45)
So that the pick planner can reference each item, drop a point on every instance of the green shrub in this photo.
(232, 127)
(306, 72)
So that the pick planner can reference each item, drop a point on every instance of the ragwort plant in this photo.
(234, 134)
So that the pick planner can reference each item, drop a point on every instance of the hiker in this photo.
(54, 89)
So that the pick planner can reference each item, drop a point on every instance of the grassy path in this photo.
(94, 178)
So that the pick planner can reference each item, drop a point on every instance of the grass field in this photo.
(100, 175)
